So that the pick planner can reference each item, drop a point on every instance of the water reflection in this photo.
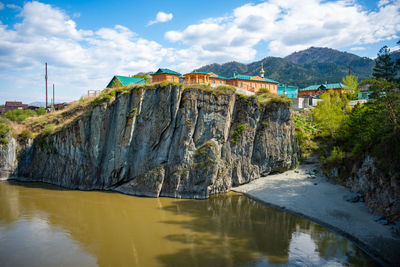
(48, 225)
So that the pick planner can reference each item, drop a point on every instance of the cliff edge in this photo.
(165, 140)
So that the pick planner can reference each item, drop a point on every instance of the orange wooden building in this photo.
(250, 83)
(162, 75)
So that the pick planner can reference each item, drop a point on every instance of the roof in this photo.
(247, 77)
(323, 86)
(286, 86)
(127, 80)
(219, 77)
(13, 104)
(197, 72)
(166, 71)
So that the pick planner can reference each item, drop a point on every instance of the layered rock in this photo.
(166, 141)
(380, 190)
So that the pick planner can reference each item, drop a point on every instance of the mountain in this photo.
(311, 66)
(38, 104)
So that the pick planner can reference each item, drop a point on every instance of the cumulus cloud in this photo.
(288, 26)
(161, 17)
(78, 59)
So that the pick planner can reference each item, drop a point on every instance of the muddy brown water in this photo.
(44, 225)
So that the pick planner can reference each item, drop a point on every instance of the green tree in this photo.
(330, 113)
(384, 66)
(351, 83)
(143, 76)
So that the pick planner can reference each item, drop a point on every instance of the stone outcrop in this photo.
(381, 191)
(8, 158)
(166, 141)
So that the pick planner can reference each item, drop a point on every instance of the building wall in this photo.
(254, 86)
(197, 78)
(165, 77)
(315, 92)
(250, 85)
(290, 92)
(214, 80)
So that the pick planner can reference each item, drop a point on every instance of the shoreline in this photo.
(322, 202)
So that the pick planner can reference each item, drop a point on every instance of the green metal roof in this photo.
(198, 72)
(130, 80)
(126, 80)
(323, 86)
(219, 77)
(166, 71)
(283, 86)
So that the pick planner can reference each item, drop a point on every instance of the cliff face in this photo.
(8, 158)
(381, 191)
(166, 141)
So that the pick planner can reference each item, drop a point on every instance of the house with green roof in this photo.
(318, 89)
(250, 83)
(119, 81)
(288, 90)
(168, 75)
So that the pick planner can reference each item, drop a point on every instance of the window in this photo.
(173, 78)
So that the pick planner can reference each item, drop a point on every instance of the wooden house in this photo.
(162, 75)
(319, 89)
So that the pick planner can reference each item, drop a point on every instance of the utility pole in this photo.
(45, 77)
(53, 96)
(349, 71)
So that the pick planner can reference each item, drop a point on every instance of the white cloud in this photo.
(78, 59)
(14, 6)
(358, 48)
(1, 6)
(288, 26)
(161, 17)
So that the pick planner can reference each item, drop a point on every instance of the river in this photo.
(44, 225)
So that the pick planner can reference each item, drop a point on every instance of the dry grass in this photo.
(59, 118)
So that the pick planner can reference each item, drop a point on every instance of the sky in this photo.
(86, 43)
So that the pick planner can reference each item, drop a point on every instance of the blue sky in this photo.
(87, 42)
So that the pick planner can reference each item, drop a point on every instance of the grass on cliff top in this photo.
(34, 125)
(24, 125)
(217, 91)
(265, 97)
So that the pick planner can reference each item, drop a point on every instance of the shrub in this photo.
(4, 130)
(19, 115)
(41, 111)
(263, 91)
(336, 156)
(24, 136)
(306, 133)
(237, 132)
(48, 129)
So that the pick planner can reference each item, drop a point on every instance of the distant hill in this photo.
(311, 66)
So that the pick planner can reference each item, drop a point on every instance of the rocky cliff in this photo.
(164, 140)
(380, 190)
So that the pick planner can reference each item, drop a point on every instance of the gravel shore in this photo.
(307, 193)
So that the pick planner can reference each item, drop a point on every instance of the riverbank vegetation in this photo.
(340, 135)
